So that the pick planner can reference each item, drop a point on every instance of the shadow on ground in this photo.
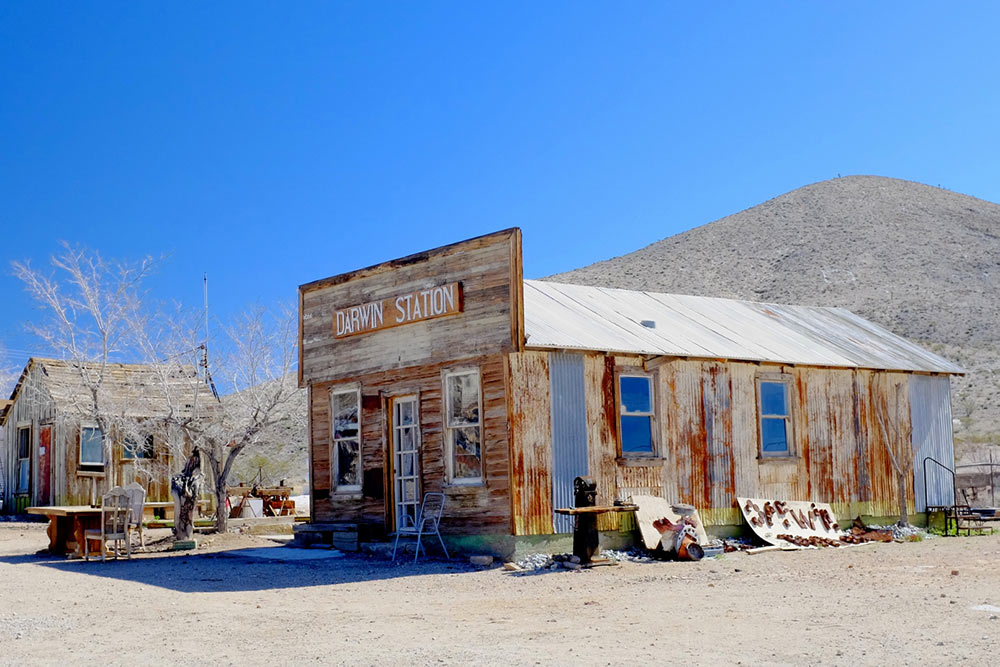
(232, 571)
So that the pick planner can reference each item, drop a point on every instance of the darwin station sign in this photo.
(394, 311)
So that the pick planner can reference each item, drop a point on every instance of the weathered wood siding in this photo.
(531, 443)
(67, 485)
(708, 437)
(481, 508)
(489, 270)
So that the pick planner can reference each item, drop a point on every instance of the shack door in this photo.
(44, 465)
(569, 432)
(405, 437)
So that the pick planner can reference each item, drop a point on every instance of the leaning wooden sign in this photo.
(394, 311)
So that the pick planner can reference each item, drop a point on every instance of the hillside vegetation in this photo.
(922, 261)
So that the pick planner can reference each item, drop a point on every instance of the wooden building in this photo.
(53, 453)
(447, 371)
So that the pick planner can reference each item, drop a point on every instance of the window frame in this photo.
(24, 461)
(785, 380)
(347, 489)
(448, 430)
(654, 449)
(89, 465)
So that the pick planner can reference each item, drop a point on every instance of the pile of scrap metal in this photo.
(670, 530)
(860, 534)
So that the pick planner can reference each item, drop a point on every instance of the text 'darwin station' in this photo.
(395, 311)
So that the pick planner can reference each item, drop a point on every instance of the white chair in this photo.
(137, 501)
(115, 512)
(428, 521)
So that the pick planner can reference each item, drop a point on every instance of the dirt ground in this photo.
(884, 604)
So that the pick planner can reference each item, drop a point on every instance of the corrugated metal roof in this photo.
(563, 316)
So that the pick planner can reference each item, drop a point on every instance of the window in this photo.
(23, 459)
(91, 446)
(134, 450)
(463, 427)
(635, 414)
(775, 418)
(345, 408)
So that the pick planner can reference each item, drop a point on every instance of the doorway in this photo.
(44, 465)
(405, 446)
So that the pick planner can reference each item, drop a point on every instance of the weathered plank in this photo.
(488, 270)
(531, 443)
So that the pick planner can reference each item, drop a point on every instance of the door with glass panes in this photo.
(405, 461)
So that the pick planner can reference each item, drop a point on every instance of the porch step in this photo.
(343, 536)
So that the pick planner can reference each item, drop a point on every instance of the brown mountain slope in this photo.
(922, 261)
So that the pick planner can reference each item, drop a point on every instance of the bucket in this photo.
(690, 549)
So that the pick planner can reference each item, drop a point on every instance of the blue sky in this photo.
(272, 144)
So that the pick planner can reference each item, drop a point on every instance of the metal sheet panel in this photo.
(930, 415)
(569, 431)
(567, 317)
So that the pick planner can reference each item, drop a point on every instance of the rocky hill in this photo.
(922, 261)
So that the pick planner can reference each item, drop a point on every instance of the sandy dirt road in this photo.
(886, 604)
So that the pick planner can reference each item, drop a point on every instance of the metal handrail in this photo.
(954, 486)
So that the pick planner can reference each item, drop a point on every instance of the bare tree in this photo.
(896, 439)
(89, 304)
(95, 316)
(254, 365)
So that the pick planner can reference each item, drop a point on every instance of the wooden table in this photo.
(66, 526)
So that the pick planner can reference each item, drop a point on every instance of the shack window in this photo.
(138, 448)
(23, 459)
(635, 414)
(345, 408)
(775, 418)
(91, 446)
(463, 427)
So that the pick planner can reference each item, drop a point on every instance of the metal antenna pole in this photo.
(204, 346)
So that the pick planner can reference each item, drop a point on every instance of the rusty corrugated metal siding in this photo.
(707, 426)
(930, 413)
(531, 443)
(569, 431)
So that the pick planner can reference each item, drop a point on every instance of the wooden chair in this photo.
(428, 521)
(115, 512)
(137, 501)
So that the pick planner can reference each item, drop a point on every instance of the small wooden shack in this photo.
(447, 371)
(52, 453)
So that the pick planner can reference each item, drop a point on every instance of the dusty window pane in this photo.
(345, 415)
(774, 436)
(636, 394)
(347, 463)
(468, 454)
(407, 466)
(22, 476)
(407, 440)
(405, 413)
(91, 447)
(463, 394)
(772, 399)
(637, 434)
(23, 443)
(133, 450)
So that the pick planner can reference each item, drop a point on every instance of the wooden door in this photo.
(405, 446)
(44, 465)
